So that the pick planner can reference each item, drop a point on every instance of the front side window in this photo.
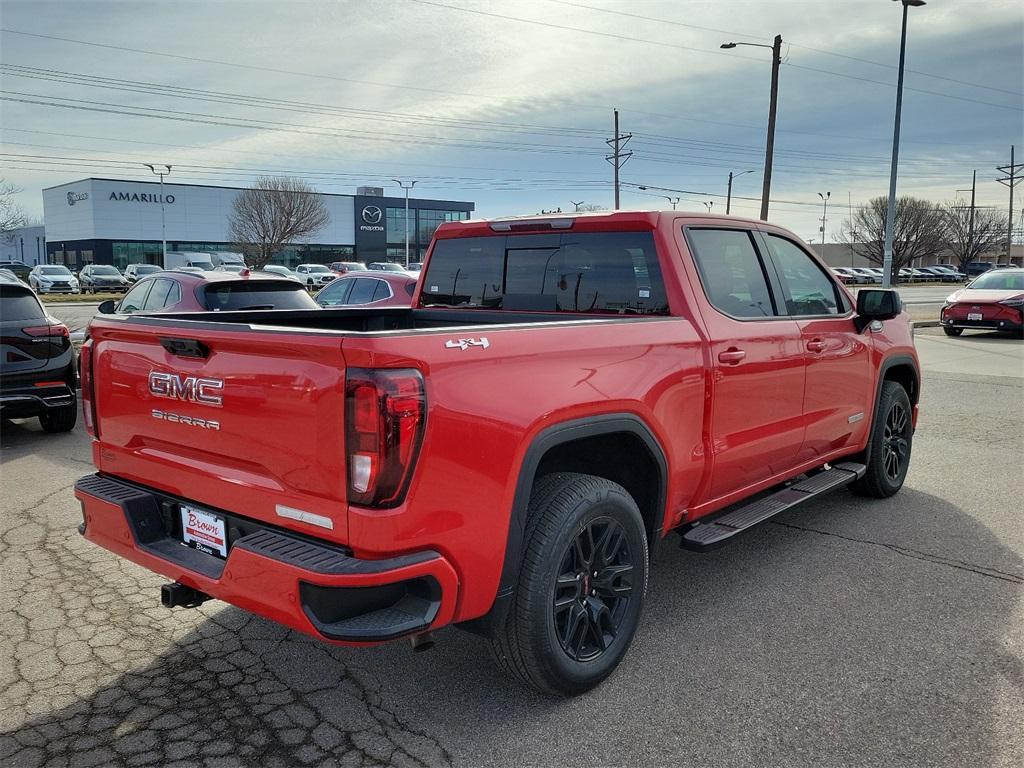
(334, 294)
(808, 289)
(731, 272)
(587, 272)
(135, 299)
(362, 291)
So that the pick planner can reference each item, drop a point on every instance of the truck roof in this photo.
(591, 221)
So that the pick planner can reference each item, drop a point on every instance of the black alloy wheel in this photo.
(897, 441)
(593, 589)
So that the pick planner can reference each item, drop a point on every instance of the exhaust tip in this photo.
(424, 641)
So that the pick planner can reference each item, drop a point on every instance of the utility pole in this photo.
(163, 225)
(1010, 180)
(772, 109)
(824, 212)
(853, 227)
(406, 188)
(618, 158)
(581, 202)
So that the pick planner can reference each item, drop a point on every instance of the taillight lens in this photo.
(385, 413)
(85, 378)
(56, 329)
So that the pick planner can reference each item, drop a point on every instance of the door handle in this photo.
(816, 346)
(731, 356)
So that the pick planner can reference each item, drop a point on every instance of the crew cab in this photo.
(504, 454)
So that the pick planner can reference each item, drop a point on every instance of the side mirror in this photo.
(108, 307)
(876, 304)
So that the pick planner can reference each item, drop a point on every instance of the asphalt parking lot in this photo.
(848, 632)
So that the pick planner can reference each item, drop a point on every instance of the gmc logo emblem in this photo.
(188, 388)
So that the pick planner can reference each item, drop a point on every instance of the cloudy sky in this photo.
(509, 104)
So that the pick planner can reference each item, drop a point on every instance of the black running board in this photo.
(706, 536)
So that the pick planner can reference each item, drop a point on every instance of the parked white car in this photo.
(52, 278)
(277, 269)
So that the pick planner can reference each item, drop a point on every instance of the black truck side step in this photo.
(706, 536)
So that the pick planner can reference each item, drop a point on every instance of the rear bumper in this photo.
(308, 585)
(31, 401)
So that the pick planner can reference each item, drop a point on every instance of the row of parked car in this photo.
(942, 273)
(105, 278)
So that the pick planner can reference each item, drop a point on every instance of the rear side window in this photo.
(257, 294)
(19, 304)
(135, 298)
(382, 291)
(589, 272)
(809, 291)
(157, 298)
(731, 272)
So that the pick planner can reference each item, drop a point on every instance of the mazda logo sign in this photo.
(372, 214)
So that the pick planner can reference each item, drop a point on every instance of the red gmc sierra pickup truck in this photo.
(504, 454)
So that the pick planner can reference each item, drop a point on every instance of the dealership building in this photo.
(105, 221)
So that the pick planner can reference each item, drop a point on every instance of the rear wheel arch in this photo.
(619, 447)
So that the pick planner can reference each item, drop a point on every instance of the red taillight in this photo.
(85, 378)
(385, 412)
(57, 329)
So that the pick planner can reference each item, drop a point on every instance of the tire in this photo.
(557, 637)
(892, 437)
(61, 419)
(952, 331)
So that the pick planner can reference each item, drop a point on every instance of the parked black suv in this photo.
(37, 361)
(102, 278)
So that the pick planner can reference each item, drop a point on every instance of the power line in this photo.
(788, 42)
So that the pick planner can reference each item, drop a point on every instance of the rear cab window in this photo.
(579, 272)
(734, 278)
(256, 294)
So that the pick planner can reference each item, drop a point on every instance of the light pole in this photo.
(577, 205)
(824, 212)
(673, 200)
(890, 213)
(709, 205)
(728, 196)
(772, 109)
(163, 226)
(406, 188)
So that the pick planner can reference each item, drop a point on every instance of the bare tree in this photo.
(273, 213)
(919, 231)
(968, 240)
(12, 215)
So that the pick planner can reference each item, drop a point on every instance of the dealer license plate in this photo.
(204, 531)
(974, 315)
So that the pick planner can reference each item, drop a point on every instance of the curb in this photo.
(927, 324)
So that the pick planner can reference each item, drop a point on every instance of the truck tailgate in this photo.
(247, 422)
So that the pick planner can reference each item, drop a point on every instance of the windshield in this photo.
(600, 272)
(387, 266)
(258, 294)
(54, 271)
(1000, 280)
(351, 266)
(318, 268)
(146, 269)
(105, 271)
(232, 267)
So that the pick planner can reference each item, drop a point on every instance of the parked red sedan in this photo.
(185, 291)
(993, 302)
(366, 289)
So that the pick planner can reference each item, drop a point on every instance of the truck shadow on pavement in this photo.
(853, 631)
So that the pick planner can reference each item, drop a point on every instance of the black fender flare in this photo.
(887, 363)
(550, 437)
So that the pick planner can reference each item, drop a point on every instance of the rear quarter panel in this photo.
(485, 406)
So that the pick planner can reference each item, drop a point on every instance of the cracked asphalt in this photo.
(847, 632)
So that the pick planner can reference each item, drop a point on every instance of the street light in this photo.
(890, 214)
(406, 188)
(709, 205)
(824, 212)
(577, 205)
(163, 226)
(728, 197)
(772, 109)
(673, 200)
